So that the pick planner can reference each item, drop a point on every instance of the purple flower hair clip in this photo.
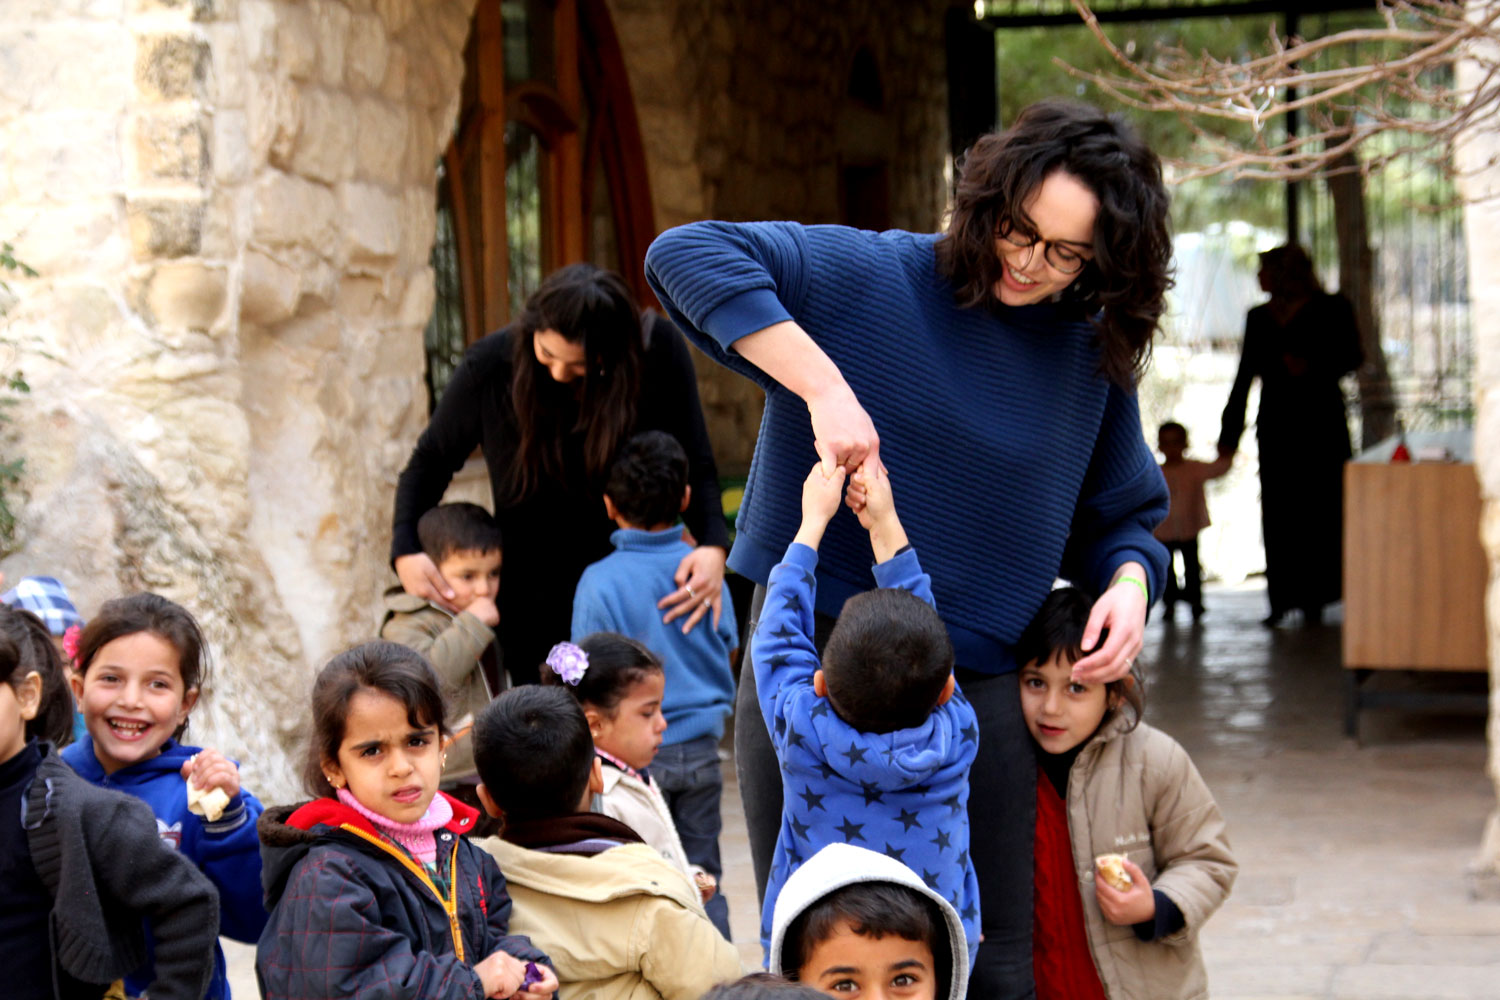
(568, 662)
(533, 974)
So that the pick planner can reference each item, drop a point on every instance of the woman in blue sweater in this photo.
(992, 370)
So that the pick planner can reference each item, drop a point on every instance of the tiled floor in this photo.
(1352, 855)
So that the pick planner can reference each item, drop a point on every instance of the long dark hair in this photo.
(587, 306)
(1129, 275)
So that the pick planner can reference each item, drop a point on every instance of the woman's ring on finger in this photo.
(689, 588)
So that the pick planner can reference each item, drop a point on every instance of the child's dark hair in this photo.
(1172, 425)
(1057, 628)
(533, 751)
(616, 664)
(167, 620)
(387, 668)
(887, 661)
(26, 645)
(457, 527)
(762, 986)
(872, 909)
(648, 479)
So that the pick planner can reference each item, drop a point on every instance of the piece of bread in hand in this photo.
(1112, 868)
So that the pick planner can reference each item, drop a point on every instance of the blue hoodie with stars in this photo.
(905, 794)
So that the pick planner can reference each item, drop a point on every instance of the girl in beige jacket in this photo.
(1131, 851)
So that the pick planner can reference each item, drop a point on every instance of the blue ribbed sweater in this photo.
(1012, 459)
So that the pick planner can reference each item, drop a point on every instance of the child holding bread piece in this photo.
(1123, 798)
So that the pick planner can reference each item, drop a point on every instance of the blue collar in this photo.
(636, 540)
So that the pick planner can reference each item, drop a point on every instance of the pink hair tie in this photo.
(568, 662)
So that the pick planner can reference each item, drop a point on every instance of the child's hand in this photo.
(1130, 907)
(878, 513)
(820, 501)
(208, 769)
(706, 884)
(484, 609)
(542, 990)
(501, 974)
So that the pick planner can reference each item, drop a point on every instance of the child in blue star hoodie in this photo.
(874, 740)
(138, 673)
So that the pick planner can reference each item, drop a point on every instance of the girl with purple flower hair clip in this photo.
(619, 683)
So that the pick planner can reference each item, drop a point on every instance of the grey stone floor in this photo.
(1353, 855)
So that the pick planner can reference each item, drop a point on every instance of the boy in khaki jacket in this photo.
(1119, 797)
(619, 922)
(464, 541)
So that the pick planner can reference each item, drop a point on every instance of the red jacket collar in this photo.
(332, 812)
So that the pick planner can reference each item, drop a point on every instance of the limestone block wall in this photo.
(230, 205)
(744, 116)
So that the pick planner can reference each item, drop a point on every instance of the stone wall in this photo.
(230, 204)
(744, 116)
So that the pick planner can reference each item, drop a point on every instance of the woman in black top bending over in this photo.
(549, 400)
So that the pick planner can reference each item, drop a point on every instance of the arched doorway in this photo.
(545, 168)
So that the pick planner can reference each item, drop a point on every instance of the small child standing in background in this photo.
(646, 491)
(464, 541)
(141, 668)
(1122, 798)
(1186, 516)
(48, 599)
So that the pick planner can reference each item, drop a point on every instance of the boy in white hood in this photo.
(854, 923)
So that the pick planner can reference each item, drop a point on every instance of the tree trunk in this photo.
(1377, 401)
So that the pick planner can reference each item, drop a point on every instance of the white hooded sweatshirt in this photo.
(839, 865)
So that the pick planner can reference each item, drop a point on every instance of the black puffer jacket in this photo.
(354, 916)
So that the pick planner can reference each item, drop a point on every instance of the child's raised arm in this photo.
(878, 515)
(820, 501)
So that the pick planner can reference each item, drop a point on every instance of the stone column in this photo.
(1476, 158)
(230, 204)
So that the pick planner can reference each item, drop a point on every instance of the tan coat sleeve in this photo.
(452, 648)
(684, 953)
(1193, 862)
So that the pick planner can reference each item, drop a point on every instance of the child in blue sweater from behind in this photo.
(646, 490)
(875, 740)
(138, 674)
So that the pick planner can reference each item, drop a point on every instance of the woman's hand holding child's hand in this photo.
(208, 769)
(1130, 906)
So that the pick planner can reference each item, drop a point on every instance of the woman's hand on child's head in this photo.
(1122, 610)
(1131, 906)
(821, 495)
(208, 769)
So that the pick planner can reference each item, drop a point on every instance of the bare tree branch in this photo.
(1349, 95)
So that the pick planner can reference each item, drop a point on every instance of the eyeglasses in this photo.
(1060, 256)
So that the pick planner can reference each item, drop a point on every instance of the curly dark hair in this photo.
(1127, 280)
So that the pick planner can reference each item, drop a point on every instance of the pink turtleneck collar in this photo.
(416, 836)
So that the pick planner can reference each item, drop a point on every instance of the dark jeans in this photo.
(692, 782)
(1002, 813)
(1191, 589)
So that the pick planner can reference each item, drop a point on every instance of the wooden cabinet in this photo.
(1414, 575)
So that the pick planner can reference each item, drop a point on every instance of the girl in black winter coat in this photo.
(376, 892)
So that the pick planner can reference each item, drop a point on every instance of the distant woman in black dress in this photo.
(1299, 344)
(549, 400)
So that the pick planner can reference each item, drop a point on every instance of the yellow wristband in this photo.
(1139, 583)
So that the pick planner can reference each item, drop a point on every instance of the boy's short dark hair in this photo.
(762, 986)
(1057, 628)
(887, 661)
(648, 478)
(534, 753)
(872, 909)
(457, 527)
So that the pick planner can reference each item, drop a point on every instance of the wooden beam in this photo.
(1173, 12)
